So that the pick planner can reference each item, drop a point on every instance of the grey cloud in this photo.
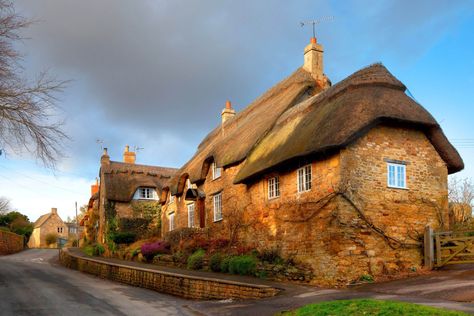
(144, 69)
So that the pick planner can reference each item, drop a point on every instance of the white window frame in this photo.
(216, 172)
(191, 208)
(273, 187)
(304, 178)
(217, 201)
(171, 220)
(396, 175)
(145, 193)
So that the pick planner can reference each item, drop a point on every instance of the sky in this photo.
(156, 74)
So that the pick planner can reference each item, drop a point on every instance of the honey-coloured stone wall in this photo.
(10, 243)
(190, 287)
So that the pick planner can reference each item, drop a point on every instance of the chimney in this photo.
(54, 210)
(105, 159)
(228, 112)
(95, 187)
(313, 62)
(128, 156)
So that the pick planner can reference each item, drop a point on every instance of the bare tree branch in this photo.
(5, 206)
(27, 109)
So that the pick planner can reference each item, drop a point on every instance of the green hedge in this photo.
(243, 265)
(196, 260)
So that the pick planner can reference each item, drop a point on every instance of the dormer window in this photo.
(144, 193)
(216, 172)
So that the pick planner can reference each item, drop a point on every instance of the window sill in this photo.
(397, 188)
(273, 198)
(218, 220)
(305, 191)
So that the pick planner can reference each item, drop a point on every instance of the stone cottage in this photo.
(128, 192)
(46, 224)
(343, 177)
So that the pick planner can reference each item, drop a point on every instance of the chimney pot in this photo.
(228, 112)
(129, 156)
(313, 40)
(105, 159)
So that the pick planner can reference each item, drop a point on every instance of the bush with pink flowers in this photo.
(150, 250)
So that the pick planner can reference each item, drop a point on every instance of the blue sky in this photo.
(155, 74)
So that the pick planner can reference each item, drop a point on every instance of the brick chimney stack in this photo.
(228, 112)
(95, 187)
(313, 62)
(54, 210)
(129, 156)
(105, 159)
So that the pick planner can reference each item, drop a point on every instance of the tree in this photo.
(27, 108)
(461, 199)
(4, 205)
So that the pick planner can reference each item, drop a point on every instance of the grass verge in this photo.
(369, 307)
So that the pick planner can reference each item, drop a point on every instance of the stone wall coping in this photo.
(180, 275)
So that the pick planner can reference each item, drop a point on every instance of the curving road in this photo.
(32, 283)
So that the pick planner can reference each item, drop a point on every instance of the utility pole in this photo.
(77, 229)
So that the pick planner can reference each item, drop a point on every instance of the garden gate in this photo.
(448, 247)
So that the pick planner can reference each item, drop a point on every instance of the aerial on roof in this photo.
(296, 118)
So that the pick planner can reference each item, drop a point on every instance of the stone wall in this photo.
(10, 243)
(190, 287)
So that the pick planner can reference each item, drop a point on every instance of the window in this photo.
(216, 172)
(191, 215)
(146, 193)
(171, 217)
(273, 187)
(60, 230)
(396, 176)
(304, 178)
(188, 184)
(218, 207)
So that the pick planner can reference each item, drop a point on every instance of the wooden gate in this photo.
(448, 247)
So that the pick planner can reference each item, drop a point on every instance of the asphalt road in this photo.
(32, 283)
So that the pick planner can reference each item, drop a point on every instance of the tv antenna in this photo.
(315, 22)
(137, 148)
(100, 142)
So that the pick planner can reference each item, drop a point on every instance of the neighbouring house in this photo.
(46, 224)
(343, 177)
(90, 221)
(128, 196)
(74, 231)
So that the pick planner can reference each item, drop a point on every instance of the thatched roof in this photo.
(121, 180)
(231, 143)
(340, 115)
(293, 120)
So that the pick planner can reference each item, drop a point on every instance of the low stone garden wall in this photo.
(186, 286)
(10, 243)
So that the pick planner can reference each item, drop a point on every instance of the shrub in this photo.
(88, 250)
(270, 255)
(196, 260)
(149, 250)
(99, 250)
(225, 264)
(243, 265)
(215, 262)
(366, 278)
(180, 258)
(218, 244)
(51, 238)
(124, 237)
